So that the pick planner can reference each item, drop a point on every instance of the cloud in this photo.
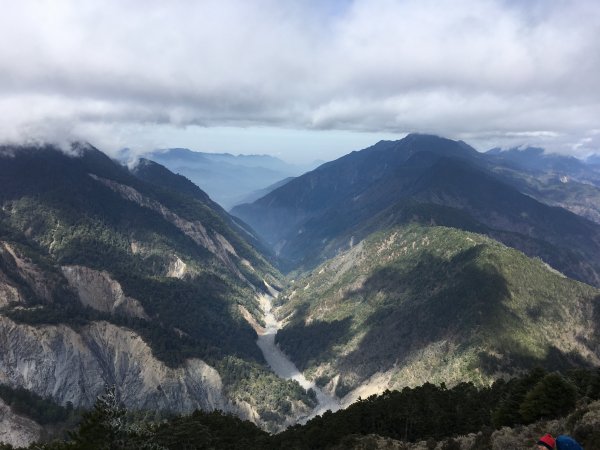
(486, 69)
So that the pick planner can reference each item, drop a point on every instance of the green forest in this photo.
(424, 413)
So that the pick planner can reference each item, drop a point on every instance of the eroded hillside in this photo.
(135, 279)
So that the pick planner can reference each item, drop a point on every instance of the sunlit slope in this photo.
(417, 303)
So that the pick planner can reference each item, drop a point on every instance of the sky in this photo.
(301, 80)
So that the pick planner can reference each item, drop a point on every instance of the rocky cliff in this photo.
(16, 430)
(76, 366)
(98, 290)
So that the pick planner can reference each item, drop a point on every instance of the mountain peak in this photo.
(429, 139)
(422, 142)
(418, 142)
(417, 135)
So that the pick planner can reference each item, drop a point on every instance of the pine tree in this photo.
(553, 396)
(104, 427)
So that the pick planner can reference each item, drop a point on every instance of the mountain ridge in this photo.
(303, 216)
(355, 323)
(142, 279)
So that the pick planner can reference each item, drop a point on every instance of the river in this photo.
(283, 366)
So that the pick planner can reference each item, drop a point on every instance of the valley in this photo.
(131, 278)
(299, 225)
(283, 366)
(411, 262)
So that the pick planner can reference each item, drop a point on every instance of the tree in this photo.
(553, 396)
(103, 427)
(507, 411)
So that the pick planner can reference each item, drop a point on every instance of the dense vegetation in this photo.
(42, 410)
(427, 412)
(435, 412)
(271, 395)
(58, 210)
(434, 304)
(78, 221)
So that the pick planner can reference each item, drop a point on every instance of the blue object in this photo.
(567, 443)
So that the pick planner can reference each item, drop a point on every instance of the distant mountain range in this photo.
(536, 160)
(228, 179)
(553, 179)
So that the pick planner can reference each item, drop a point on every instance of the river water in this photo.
(283, 366)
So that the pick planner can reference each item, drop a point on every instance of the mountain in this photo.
(398, 276)
(228, 179)
(135, 277)
(556, 180)
(536, 160)
(421, 260)
(424, 178)
(415, 304)
(283, 211)
(131, 278)
(556, 189)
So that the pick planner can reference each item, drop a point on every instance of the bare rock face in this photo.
(177, 268)
(57, 361)
(33, 275)
(16, 430)
(23, 270)
(9, 294)
(98, 290)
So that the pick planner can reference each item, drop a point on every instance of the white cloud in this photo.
(485, 69)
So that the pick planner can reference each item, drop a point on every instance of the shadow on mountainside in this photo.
(596, 321)
(312, 342)
(452, 300)
(519, 360)
(460, 303)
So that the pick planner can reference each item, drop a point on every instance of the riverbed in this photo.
(283, 366)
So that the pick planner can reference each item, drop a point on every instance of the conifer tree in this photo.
(104, 427)
(552, 396)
